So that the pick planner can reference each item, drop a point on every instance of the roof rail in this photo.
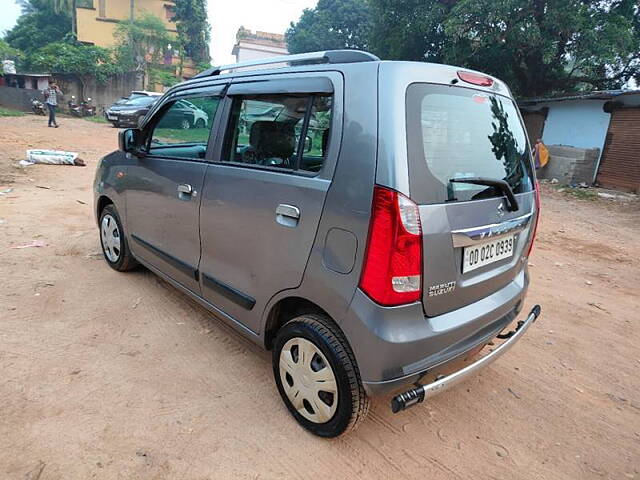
(328, 56)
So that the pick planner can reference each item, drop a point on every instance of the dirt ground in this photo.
(119, 376)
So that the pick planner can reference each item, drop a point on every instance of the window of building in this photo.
(169, 12)
(84, 3)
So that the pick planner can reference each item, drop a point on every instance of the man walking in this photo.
(51, 95)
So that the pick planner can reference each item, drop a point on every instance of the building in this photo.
(97, 21)
(28, 81)
(592, 137)
(255, 46)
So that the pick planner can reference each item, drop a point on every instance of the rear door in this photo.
(473, 239)
(263, 197)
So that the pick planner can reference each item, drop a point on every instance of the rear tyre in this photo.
(200, 123)
(317, 376)
(113, 241)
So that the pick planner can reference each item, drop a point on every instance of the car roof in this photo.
(344, 61)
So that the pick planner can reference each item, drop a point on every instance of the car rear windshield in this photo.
(456, 133)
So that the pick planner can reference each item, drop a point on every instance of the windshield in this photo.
(463, 133)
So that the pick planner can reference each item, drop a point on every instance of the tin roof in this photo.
(595, 95)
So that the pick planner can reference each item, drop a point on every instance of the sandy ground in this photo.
(119, 376)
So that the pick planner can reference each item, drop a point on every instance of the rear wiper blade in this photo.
(512, 202)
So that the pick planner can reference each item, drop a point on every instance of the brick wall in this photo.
(17, 98)
(102, 94)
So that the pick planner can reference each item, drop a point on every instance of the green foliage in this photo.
(141, 42)
(194, 31)
(82, 60)
(9, 53)
(332, 24)
(96, 119)
(202, 66)
(38, 26)
(539, 47)
(7, 112)
(162, 76)
(409, 29)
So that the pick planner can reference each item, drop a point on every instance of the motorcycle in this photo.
(74, 108)
(38, 107)
(88, 110)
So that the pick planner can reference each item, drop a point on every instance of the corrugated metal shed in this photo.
(620, 163)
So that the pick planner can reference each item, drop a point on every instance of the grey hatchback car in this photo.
(367, 221)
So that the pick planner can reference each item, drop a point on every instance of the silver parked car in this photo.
(367, 221)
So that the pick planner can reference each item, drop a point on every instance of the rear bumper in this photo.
(422, 392)
(126, 121)
(396, 346)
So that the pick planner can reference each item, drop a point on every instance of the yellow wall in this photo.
(99, 31)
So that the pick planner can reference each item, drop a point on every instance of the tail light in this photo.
(392, 273)
(535, 225)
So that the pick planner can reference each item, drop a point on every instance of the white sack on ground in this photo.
(51, 157)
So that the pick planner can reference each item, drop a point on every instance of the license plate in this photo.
(486, 253)
(111, 117)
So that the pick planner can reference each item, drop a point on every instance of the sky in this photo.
(225, 17)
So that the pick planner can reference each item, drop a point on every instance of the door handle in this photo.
(185, 188)
(287, 215)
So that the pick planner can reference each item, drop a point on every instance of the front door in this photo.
(263, 199)
(164, 192)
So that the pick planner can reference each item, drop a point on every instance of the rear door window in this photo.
(460, 133)
(288, 132)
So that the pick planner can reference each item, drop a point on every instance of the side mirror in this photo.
(129, 140)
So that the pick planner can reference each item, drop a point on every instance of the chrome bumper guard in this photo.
(420, 393)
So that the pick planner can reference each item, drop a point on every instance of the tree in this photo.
(409, 29)
(194, 31)
(8, 53)
(538, 47)
(332, 24)
(38, 26)
(141, 43)
(85, 61)
(542, 47)
(68, 8)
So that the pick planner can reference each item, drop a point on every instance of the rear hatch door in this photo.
(468, 152)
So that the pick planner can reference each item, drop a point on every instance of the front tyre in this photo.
(114, 244)
(317, 376)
